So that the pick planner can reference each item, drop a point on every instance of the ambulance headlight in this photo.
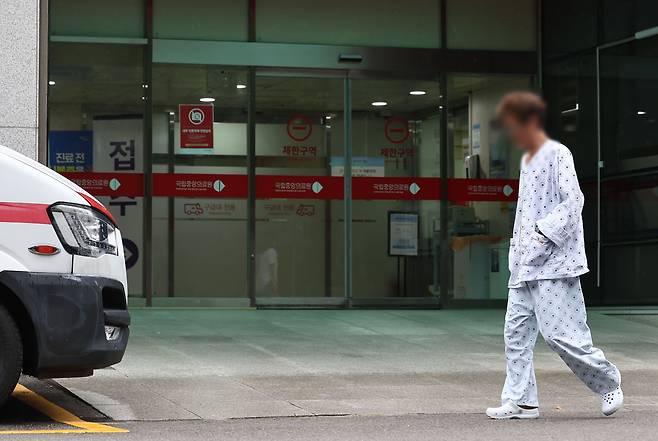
(83, 230)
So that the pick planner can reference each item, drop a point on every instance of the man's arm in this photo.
(562, 222)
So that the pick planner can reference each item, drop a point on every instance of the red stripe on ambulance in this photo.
(24, 213)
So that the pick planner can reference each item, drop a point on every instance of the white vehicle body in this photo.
(69, 303)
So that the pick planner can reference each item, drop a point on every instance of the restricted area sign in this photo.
(299, 128)
(196, 126)
(396, 129)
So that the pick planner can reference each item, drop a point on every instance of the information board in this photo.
(403, 233)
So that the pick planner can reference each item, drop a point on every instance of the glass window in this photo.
(486, 24)
(203, 20)
(299, 187)
(623, 18)
(200, 208)
(396, 140)
(95, 119)
(413, 23)
(571, 94)
(118, 18)
(629, 111)
(568, 26)
(629, 143)
(484, 168)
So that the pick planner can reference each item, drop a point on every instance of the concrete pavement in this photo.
(234, 364)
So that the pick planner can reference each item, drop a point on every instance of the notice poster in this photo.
(196, 126)
(118, 148)
(361, 166)
(403, 233)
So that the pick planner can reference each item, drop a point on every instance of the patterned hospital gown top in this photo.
(549, 199)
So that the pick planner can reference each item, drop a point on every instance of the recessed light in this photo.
(240, 86)
(207, 99)
(379, 103)
(417, 92)
(641, 112)
(51, 83)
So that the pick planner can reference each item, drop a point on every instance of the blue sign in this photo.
(70, 150)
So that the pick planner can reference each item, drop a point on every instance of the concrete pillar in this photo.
(19, 75)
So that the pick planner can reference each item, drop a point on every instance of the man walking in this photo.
(547, 256)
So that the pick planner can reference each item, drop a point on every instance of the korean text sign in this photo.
(196, 126)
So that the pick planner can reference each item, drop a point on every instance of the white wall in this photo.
(19, 75)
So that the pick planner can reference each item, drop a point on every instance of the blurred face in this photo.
(521, 134)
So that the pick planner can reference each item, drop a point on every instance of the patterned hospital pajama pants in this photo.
(557, 310)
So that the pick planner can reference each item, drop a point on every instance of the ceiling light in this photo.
(207, 99)
(240, 86)
(641, 112)
(51, 83)
(417, 92)
(379, 103)
(327, 117)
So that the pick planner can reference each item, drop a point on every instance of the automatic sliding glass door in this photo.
(299, 241)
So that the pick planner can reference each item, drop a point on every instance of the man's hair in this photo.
(522, 106)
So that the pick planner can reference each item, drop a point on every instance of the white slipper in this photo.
(612, 401)
(509, 411)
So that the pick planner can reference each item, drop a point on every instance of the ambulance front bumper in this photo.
(81, 323)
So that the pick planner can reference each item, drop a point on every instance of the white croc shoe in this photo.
(510, 411)
(612, 401)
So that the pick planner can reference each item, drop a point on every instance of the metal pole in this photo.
(147, 227)
(251, 187)
(445, 257)
(347, 182)
(598, 168)
(171, 221)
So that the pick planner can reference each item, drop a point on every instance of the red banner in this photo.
(466, 190)
(109, 184)
(196, 126)
(199, 185)
(396, 188)
(299, 187)
(296, 187)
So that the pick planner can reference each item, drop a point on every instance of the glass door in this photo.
(396, 190)
(628, 176)
(299, 227)
(199, 226)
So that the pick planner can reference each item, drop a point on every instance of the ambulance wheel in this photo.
(11, 354)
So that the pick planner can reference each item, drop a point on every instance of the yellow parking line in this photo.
(58, 414)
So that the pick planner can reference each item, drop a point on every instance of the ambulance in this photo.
(63, 285)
